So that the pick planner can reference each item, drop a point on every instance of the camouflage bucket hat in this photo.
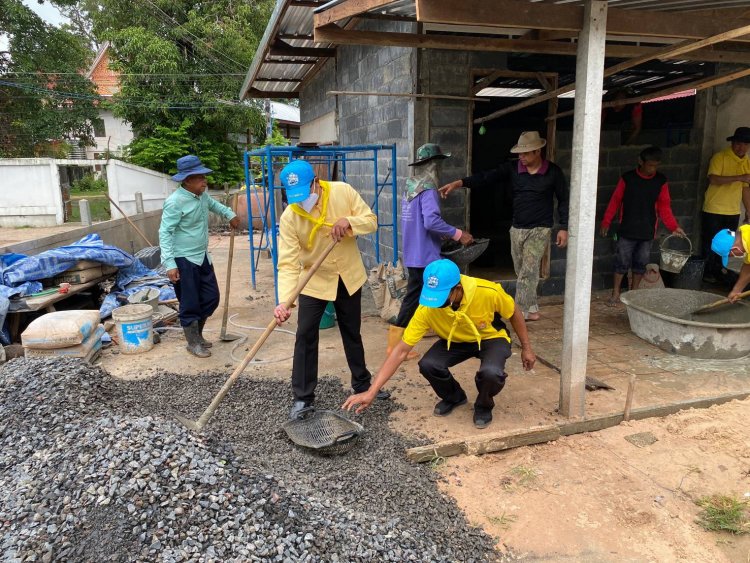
(427, 152)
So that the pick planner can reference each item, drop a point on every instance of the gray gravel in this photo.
(93, 469)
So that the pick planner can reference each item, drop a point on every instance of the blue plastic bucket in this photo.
(329, 317)
(135, 329)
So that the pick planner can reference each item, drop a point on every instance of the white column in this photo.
(139, 203)
(85, 210)
(582, 221)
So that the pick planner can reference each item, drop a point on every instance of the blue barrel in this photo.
(329, 317)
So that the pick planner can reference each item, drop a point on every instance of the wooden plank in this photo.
(347, 9)
(505, 440)
(337, 35)
(524, 14)
(405, 95)
(255, 93)
(281, 49)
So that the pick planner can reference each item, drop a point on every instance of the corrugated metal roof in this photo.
(284, 112)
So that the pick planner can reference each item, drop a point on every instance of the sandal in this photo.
(532, 316)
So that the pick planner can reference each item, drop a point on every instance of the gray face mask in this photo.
(309, 203)
(425, 178)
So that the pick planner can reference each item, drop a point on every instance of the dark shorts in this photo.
(632, 255)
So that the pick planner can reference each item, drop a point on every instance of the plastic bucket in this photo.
(135, 329)
(329, 317)
(148, 296)
(672, 259)
(691, 275)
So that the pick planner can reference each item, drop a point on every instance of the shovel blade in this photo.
(189, 424)
(229, 337)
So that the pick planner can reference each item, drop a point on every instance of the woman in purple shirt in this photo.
(423, 231)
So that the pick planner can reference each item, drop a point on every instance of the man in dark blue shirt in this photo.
(535, 183)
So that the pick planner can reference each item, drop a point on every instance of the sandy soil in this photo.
(593, 497)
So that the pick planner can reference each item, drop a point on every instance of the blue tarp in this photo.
(134, 278)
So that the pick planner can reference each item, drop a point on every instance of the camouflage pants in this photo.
(527, 246)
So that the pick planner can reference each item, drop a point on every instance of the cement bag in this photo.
(652, 278)
(376, 281)
(60, 329)
(395, 281)
(82, 350)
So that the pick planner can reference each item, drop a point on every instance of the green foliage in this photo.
(276, 139)
(89, 183)
(722, 513)
(160, 151)
(37, 108)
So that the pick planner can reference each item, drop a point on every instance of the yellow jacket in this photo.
(344, 260)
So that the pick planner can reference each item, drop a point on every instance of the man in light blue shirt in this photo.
(183, 237)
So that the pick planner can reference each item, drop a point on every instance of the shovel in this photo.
(718, 303)
(198, 425)
(228, 336)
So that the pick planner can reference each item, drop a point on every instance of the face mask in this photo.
(309, 203)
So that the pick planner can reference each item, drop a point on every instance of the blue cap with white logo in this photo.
(722, 244)
(439, 278)
(297, 176)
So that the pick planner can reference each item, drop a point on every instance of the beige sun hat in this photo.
(529, 141)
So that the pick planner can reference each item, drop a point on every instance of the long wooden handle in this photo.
(148, 242)
(720, 302)
(263, 337)
(225, 315)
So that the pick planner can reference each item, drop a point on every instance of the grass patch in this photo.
(503, 521)
(525, 476)
(723, 513)
(99, 210)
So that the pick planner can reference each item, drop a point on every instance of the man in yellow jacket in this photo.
(318, 210)
(466, 313)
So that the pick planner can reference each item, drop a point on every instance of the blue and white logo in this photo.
(432, 282)
(292, 179)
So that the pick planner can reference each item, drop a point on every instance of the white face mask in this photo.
(309, 203)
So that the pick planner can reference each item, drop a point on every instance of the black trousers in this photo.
(411, 298)
(305, 363)
(489, 379)
(197, 290)
(711, 223)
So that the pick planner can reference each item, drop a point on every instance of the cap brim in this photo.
(437, 156)
(298, 193)
(517, 150)
(434, 298)
(725, 261)
(739, 139)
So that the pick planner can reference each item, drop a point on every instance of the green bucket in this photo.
(329, 317)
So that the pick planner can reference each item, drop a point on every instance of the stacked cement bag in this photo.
(73, 334)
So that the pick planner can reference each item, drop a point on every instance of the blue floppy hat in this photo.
(439, 278)
(297, 176)
(722, 244)
(189, 166)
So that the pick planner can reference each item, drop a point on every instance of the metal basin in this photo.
(664, 318)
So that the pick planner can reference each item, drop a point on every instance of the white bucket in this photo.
(135, 329)
(672, 259)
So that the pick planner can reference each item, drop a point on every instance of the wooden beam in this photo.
(524, 14)
(701, 84)
(405, 95)
(281, 49)
(504, 440)
(668, 51)
(336, 35)
(263, 79)
(347, 9)
(289, 62)
(300, 37)
(306, 3)
(255, 93)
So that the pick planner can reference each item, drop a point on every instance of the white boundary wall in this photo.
(30, 195)
(124, 180)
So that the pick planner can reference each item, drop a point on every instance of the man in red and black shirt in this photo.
(642, 198)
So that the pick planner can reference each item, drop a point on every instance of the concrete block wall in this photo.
(681, 164)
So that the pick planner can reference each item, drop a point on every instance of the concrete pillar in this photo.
(83, 206)
(139, 203)
(582, 222)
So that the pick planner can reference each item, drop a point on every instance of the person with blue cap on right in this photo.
(466, 313)
(727, 243)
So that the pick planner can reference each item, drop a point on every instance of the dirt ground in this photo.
(593, 497)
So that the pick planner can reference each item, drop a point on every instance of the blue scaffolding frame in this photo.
(272, 157)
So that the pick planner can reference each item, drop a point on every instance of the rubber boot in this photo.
(194, 346)
(394, 337)
(206, 343)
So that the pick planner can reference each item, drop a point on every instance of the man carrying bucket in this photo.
(319, 210)
(183, 237)
(466, 313)
(640, 199)
(726, 244)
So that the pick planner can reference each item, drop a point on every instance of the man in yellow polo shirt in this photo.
(726, 244)
(729, 176)
(466, 313)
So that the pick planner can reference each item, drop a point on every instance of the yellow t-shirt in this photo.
(725, 199)
(745, 234)
(473, 320)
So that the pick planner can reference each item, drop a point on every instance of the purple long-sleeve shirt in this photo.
(423, 229)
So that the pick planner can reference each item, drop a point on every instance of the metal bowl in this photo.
(464, 255)
(323, 432)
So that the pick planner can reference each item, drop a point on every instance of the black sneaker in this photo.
(482, 417)
(300, 409)
(444, 408)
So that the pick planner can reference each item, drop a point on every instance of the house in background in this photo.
(286, 118)
(111, 134)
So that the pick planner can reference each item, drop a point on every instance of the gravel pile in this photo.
(96, 470)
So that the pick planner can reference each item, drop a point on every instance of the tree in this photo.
(39, 108)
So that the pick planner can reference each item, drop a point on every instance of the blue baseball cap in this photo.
(722, 244)
(297, 176)
(189, 165)
(439, 278)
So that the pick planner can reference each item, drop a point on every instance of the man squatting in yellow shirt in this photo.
(318, 210)
(465, 313)
(726, 243)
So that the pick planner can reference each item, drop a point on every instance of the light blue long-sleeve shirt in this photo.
(184, 226)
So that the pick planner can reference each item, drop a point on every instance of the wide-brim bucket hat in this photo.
(741, 135)
(428, 152)
(189, 165)
(528, 141)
